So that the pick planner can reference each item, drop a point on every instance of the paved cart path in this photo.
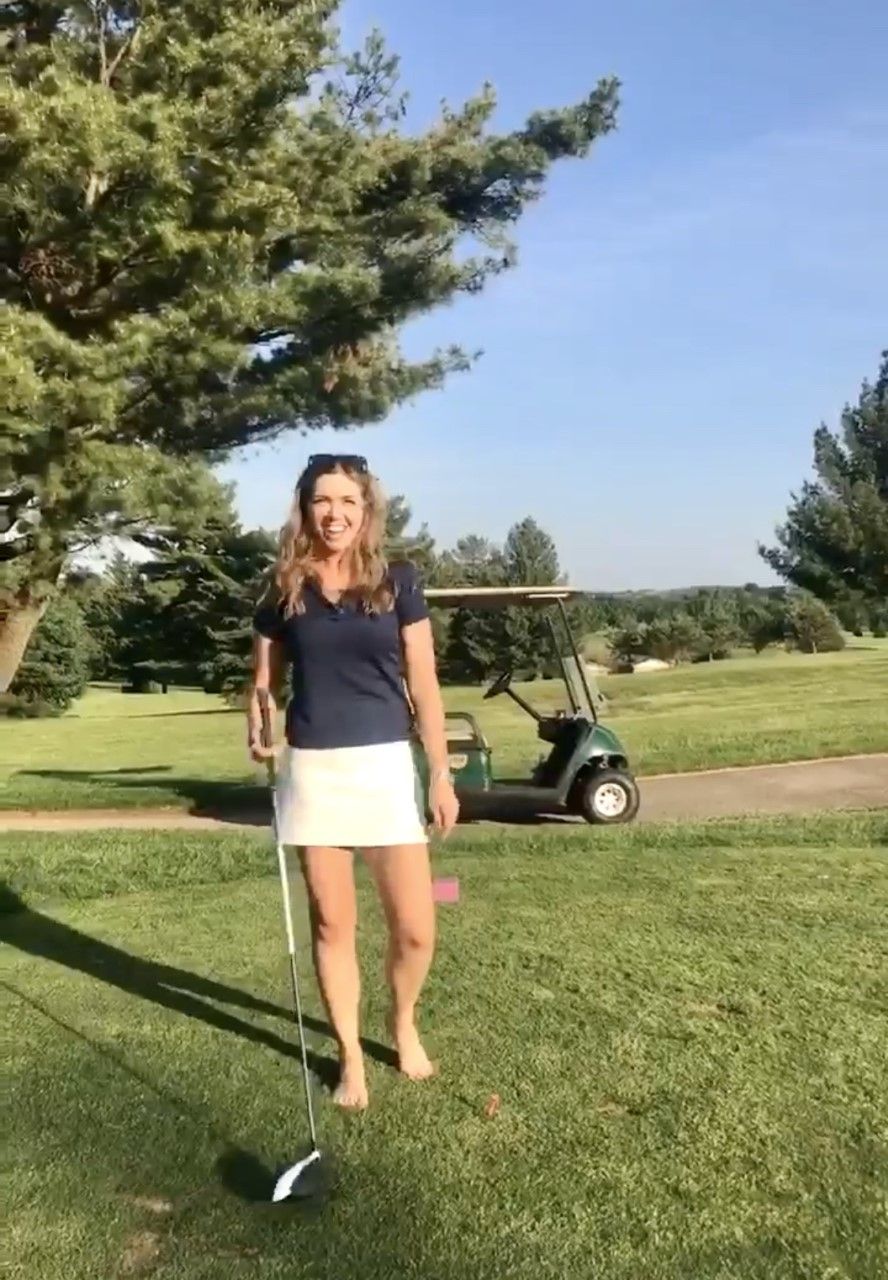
(849, 782)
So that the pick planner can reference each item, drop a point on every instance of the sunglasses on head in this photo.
(318, 463)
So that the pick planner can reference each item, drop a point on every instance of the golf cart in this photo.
(585, 771)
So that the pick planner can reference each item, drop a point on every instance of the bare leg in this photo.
(403, 877)
(329, 878)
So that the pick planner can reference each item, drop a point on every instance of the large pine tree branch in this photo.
(15, 501)
(126, 50)
(179, 197)
(15, 548)
(35, 19)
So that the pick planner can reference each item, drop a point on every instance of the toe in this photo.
(419, 1069)
(350, 1098)
(351, 1092)
(414, 1061)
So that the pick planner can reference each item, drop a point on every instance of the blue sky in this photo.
(689, 302)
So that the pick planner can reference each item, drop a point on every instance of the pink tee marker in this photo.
(445, 889)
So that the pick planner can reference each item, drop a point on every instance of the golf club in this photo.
(292, 1183)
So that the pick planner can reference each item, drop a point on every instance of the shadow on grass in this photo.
(240, 802)
(367, 1240)
(247, 804)
(244, 1175)
(376, 1246)
(180, 991)
(240, 1172)
(202, 711)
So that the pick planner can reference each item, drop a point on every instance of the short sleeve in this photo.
(269, 622)
(410, 601)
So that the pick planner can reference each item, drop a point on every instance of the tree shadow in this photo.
(247, 803)
(175, 989)
(203, 711)
(239, 1171)
(377, 1249)
(243, 803)
(516, 812)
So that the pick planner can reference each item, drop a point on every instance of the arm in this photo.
(425, 694)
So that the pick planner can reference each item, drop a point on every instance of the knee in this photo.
(414, 937)
(333, 929)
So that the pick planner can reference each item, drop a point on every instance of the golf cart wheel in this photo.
(609, 797)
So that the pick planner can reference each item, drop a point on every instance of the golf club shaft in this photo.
(268, 741)
(297, 998)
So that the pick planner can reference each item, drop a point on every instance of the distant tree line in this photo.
(184, 617)
(709, 624)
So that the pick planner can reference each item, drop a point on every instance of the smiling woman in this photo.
(338, 513)
(356, 635)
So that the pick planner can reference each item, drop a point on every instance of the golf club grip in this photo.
(265, 712)
(266, 731)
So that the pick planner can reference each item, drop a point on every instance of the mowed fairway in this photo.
(186, 749)
(685, 1029)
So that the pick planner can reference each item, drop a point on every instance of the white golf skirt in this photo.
(349, 797)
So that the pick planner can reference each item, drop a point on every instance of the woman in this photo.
(354, 630)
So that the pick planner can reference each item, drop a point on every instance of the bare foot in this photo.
(351, 1092)
(413, 1061)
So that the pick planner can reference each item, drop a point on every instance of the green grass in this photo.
(754, 710)
(185, 749)
(685, 1026)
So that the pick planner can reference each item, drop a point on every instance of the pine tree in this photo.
(475, 638)
(482, 643)
(107, 601)
(222, 586)
(531, 560)
(628, 642)
(673, 636)
(812, 628)
(834, 542)
(765, 622)
(716, 615)
(56, 668)
(213, 229)
(400, 544)
(205, 589)
(531, 557)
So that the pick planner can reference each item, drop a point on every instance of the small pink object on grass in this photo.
(446, 889)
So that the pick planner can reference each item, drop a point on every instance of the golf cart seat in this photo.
(468, 750)
(464, 732)
(550, 728)
(565, 734)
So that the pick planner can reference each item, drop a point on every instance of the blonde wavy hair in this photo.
(296, 562)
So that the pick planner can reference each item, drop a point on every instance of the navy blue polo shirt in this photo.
(347, 666)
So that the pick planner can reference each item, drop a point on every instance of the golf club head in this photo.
(304, 1180)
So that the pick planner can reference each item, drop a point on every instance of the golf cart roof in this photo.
(499, 597)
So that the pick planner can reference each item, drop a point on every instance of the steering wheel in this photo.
(500, 685)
